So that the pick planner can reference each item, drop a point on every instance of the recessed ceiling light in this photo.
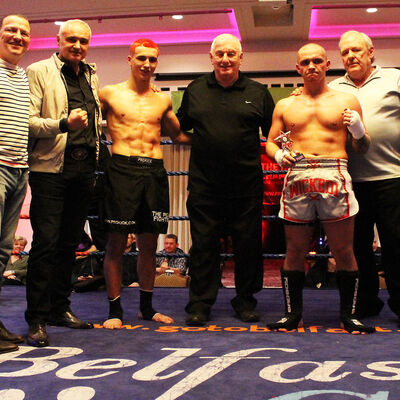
(58, 22)
(177, 16)
(372, 10)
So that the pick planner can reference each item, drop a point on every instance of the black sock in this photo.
(115, 308)
(146, 307)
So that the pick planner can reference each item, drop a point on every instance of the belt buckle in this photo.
(79, 153)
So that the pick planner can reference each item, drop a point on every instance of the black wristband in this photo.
(63, 125)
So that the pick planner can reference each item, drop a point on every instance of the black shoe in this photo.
(6, 346)
(37, 335)
(7, 336)
(197, 319)
(287, 323)
(70, 320)
(244, 307)
(354, 325)
(248, 315)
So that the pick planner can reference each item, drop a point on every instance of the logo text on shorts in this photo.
(116, 222)
(145, 160)
(316, 185)
(159, 216)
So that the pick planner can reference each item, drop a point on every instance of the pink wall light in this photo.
(335, 31)
(160, 37)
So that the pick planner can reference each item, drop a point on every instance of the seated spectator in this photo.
(166, 260)
(15, 272)
(129, 264)
(321, 272)
(87, 272)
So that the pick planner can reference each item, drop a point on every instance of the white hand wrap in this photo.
(356, 127)
(279, 155)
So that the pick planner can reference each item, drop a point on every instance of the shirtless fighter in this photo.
(137, 197)
(320, 122)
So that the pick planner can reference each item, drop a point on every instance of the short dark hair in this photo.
(172, 236)
(13, 15)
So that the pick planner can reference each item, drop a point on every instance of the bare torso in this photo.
(316, 123)
(134, 119)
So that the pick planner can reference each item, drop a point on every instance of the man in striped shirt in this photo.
(14, 129)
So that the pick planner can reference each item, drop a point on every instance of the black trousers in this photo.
(210, 218)
(96, 207)
(379, 203)
(58, 212)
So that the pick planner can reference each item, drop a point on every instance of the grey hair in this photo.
(225, 36)
(21, 239)
(366, 39)
(66, 23)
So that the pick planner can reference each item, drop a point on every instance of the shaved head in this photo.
(311, 47)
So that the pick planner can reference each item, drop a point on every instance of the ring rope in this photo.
(163, 142)
(182, 218)
(185, 218)
(224, 256)
(185, 255)
(182, 173)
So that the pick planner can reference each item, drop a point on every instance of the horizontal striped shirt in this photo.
(14, 116)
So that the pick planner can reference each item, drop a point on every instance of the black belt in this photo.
(140, 161)
(79, 153)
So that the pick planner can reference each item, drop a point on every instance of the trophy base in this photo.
(297, 156)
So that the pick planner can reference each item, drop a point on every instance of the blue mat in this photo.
(227, 359)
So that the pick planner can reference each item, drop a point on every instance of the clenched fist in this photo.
(77, 119)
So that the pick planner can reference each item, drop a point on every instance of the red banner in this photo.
(273, 235)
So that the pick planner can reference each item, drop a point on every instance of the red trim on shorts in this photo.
(346, 191)
(283, 194)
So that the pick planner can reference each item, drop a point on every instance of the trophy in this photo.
(287, 144)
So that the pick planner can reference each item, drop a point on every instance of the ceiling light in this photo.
(371, 10)
(177, 16)
(58, 23)
(276, 2)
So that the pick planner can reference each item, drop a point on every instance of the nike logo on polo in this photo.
(247, 102)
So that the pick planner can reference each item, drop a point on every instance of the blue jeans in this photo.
(12, 194)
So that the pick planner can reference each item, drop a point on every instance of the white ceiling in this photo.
(257, 21)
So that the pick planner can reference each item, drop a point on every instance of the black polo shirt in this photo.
(225, 157)
(80, 96)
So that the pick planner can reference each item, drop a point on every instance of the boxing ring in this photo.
(272, 227)
(226, 360)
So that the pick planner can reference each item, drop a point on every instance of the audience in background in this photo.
(87, 272)
(129, 263)
(17, 266)
(171, 257)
